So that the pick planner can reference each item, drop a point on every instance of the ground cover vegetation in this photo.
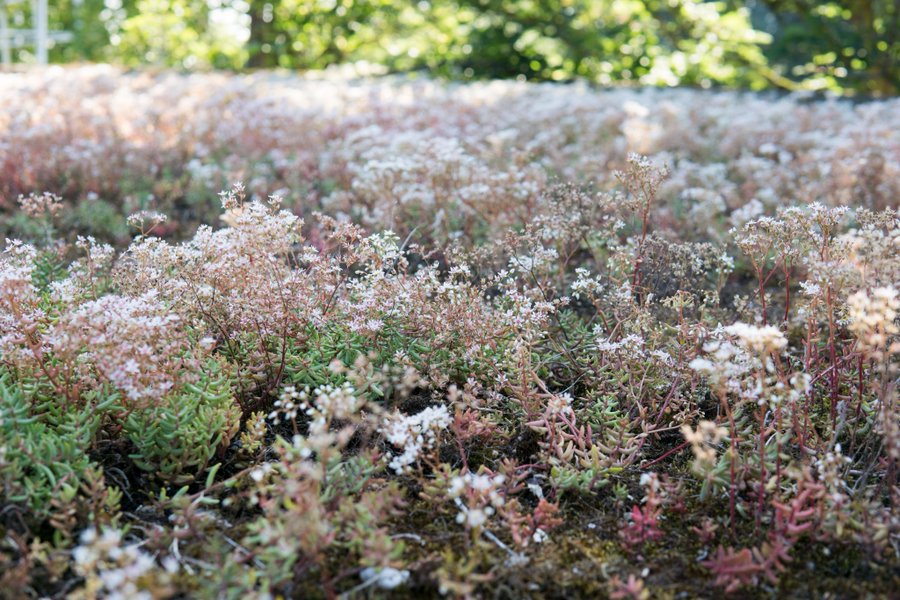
(264, 336)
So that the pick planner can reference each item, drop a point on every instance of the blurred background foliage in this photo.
(850, 46)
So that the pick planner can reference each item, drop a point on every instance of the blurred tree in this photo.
(851, 44)
(311, 34)
(84, 18)
(262, 33)
(665, 42)
(178, 33)
(839, 45)
(653, 41)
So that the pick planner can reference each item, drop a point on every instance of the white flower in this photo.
(560, 404)
(761, 340)
(873, 315)
(387, 578)
(414, 433)
(810, 289)
(472, 517)
(703, 366)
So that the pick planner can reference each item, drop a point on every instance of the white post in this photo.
(39, 8)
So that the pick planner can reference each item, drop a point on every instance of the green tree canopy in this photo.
(849, 45)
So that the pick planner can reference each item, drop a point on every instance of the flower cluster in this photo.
(134, 343)
(39, 205)
(477, 495)
(414, 434)
(116, 571)
(452, 159)
(703, 443)
(321, 405)
(873, 318)
(760, 340)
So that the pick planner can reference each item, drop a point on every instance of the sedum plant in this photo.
(176, 437)
(44, 462)
(460, 378)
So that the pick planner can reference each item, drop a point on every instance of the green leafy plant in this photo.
(176, 437)
(44, 458)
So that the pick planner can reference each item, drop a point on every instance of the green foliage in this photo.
(849, 44)
(48, 267)
(43, 458)
(98, 218)
(567, 478)
(840, 45)
(90, 40)
(655, 42)
(176, 33)
(312, 34)
(308, 363)
(347, 477)
(176, 437)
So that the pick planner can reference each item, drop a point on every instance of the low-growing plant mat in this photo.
(489, 341)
